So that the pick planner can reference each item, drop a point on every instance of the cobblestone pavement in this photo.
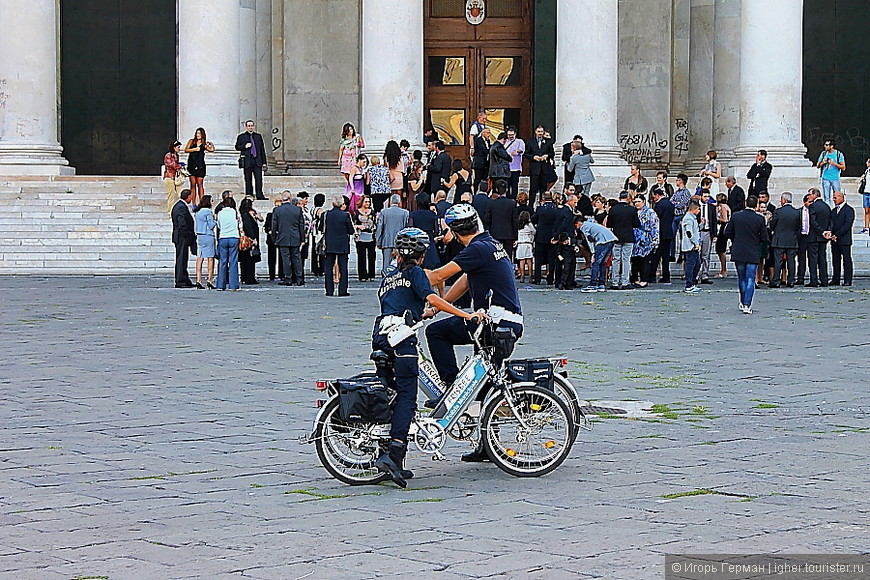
(150, 433)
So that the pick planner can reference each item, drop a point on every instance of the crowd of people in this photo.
(626, 241)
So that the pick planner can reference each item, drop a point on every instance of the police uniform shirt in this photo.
(403, 290)
(488, 267)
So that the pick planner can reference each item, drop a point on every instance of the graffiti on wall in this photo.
(681, 136)
(643, 147)
(276, 139)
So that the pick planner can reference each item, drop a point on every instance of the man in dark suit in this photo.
(338, 229)
(540, 153)
(747, 231)
(288, 233)
(622, 219)
(480, 201)
(499, 160)
(565, 236)
(439, 169)
(817, 246)
(786, 227)
(665, 210)
(736, 195)
(252, 158)
(803, 241)
(183, 237)
(842, 220)
(480, 159)
(500, 218)
(545, 217)
(759, 174)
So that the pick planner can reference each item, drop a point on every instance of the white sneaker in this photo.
(747, 310)
(742, 308)
(692, 290)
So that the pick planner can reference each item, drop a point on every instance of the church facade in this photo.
(103, 86)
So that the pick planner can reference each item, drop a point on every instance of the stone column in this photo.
(726, 89)
(208, 79)
(392, 91)
(248, 40)
(701, 39)
(586, 69)
(771, 79)
(28, 90)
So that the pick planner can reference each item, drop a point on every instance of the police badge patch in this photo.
(475, 11)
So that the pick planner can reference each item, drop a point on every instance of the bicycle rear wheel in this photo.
(347, 450)
(531, 438)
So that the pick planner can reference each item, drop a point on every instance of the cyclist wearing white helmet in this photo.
(488, 274)
(404, 289)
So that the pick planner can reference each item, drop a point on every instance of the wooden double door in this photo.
(472, 68)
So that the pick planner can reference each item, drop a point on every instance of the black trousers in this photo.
(545, 253)
(328, 265)
(275, 264)
(365, 260)
(316, 261)
(255, 172)
(664, 257)
(537, 184)
(292, 261)
(643, 268)
(514, 184)
(789, 263)
(247, 267)
(182, 253)
(817, 256)
(841, 254)
(803, 247)
(508, 247)
(566, 266)
(481, 174)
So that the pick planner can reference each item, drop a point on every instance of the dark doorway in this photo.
(118, 87)
(836, 88)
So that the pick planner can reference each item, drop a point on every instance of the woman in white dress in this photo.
(713, 170)
(525, 239)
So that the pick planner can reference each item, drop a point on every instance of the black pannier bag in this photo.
(538, 371)
(363, 400)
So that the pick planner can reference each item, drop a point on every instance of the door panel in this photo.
(471, 68)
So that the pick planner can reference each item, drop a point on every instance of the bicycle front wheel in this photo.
(530, 438)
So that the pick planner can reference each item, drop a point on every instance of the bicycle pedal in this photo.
(438, 456)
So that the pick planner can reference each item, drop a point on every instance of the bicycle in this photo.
(527, 429)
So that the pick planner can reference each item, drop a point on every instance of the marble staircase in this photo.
(106, 225)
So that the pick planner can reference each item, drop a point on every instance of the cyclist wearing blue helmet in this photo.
(403, 294)
(488, 274)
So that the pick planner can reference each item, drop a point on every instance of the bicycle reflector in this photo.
(320, 386)
(563, 362)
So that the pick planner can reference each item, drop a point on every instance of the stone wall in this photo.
(320, 70)
(645, 36)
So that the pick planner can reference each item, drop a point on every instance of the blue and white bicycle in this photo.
(528, 420)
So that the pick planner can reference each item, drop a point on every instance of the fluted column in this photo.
(208, 78)
(392, 72)
(28, 89)
(586, 71)
(771, 80)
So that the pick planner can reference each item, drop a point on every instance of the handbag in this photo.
(245, 243)
(256, 255)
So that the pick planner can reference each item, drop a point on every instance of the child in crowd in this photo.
(691, 246)
(525, 241)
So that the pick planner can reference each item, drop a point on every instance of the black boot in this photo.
(476, 456)
(391, 462)
(399, 460)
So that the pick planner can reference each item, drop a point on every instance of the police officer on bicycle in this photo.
(488, 274)
(404, 292)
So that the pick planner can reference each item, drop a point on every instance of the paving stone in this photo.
(135, 443)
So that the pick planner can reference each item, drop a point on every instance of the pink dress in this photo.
(348, 153)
